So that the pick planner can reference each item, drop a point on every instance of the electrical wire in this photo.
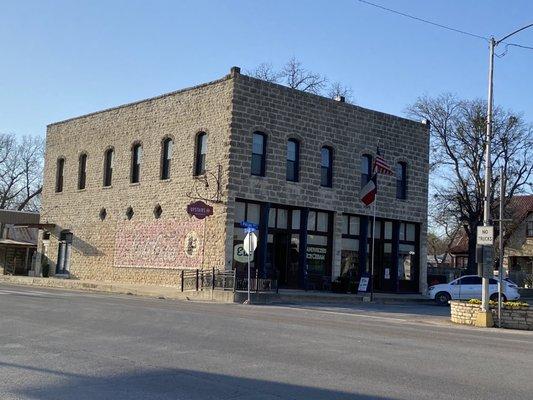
(446, 27)
(424, 20)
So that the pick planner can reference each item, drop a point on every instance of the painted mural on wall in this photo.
(160, 244)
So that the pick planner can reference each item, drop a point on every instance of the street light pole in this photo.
(486, 206)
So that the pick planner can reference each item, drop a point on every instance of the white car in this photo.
(469, 287)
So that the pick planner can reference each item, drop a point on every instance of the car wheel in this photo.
(442, 298)
(494, 297)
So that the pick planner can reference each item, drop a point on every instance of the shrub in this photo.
(509, 304)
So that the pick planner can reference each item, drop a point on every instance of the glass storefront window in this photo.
(345, 224)
(354, 226)
(272, 217)
(410, 233)
(322, 222)
(387, 261)
(350, 258)
(296, 219)
(253, 213)
(406, 262)
(388, 230)
(240, 209)
(316, 254)
(282, 218)
(311, 221)
(402, 231)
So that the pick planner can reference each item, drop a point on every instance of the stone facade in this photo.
(180, 115)
(228, 110)
(512, 318)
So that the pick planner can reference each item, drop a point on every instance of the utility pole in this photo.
(486, 210)
(485, 317)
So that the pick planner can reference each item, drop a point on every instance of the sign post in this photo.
(250, 244)
(484, 240)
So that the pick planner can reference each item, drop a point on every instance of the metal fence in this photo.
(215, 279)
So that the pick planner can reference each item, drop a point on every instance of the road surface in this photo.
(59, 344)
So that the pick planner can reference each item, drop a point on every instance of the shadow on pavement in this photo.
(165, 384)
(414, 309)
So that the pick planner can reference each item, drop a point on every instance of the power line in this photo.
(424, 20)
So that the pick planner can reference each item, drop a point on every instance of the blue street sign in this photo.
(249, 226)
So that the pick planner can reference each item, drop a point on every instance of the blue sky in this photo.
(60, 59)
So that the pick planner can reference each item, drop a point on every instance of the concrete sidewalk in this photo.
(221, 296)
(167, 292)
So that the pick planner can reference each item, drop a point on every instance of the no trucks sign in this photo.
(485, 235)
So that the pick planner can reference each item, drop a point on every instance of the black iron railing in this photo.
(215, 279)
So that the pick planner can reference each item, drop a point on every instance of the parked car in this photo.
(469, 287)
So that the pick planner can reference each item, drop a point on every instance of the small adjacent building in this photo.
(118, 184)
(18, 241)
(518, 242)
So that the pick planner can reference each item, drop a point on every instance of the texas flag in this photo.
(368, 192)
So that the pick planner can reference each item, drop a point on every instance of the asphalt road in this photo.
(57, 344)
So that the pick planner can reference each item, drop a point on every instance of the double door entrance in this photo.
(283, 254)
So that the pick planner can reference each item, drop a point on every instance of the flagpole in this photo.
(373, 247)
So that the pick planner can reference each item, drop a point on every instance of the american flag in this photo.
(381, 166)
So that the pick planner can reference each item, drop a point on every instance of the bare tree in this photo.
(295, 76)
(21, 166)
(266, 72)
(458, 157)
(337, 89)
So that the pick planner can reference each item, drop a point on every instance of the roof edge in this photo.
(224, 78)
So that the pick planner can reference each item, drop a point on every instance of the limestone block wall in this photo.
(512, 318)
(282, 113)
(99, 244)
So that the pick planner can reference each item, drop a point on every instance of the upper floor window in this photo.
(166, 158)
(401, 180)
(136, 155)
(326, 166)
(59, 174)
(82, 171)
(201, 151)
(258, 153)
(293, 160)
(366, 169)
(109, 157)
(529, 226)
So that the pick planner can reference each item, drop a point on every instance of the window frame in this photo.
(292, 170)
(328, 168)
(529, 226)
(365, 177)
(401, 182)
(167, 145)
(262, 155)
(136, 159)
(60, 174)
(109, 161)
(200, 159)
(82, 171)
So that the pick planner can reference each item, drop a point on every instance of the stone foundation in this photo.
(512, 318)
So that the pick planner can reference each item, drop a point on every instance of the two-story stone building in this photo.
(118, 182)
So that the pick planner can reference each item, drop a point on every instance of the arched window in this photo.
(136, 155)
(109, 158)
(59, 174)
(201, 151)
(293, 160)
(401, 181)
(258, 153)
(326, 166)
(82, 171)
(366, 169)
(166, 157)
